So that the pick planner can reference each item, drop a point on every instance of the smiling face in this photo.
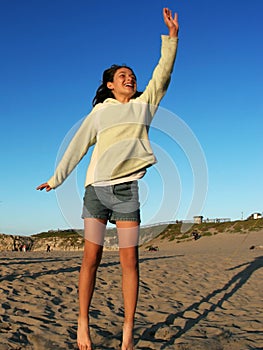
(124, 84)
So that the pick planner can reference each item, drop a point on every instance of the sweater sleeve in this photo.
(161, 76)
(77, 148)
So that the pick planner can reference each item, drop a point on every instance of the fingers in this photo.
(176, 17)
(168, 16)
(167, 13)
(44, 186)
(41, 187)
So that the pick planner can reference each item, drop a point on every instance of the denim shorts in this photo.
(114, 203)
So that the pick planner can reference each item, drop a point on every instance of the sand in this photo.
(199, 295)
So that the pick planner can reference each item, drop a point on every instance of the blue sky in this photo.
(53, 53)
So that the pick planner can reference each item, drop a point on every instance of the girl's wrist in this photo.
(173, 33)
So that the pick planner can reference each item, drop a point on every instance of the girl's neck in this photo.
(122, 99)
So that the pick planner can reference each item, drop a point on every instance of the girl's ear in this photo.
(110, 85)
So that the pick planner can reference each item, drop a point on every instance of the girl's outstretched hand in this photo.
(171, 22)
(44, 186)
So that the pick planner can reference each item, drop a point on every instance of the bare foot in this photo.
(127, 337)
(83, 335)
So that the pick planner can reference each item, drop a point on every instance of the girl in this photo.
(118, 127)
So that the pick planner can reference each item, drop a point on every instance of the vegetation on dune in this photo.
(70, 233)
(173, 231)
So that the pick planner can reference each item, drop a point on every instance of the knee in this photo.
(129, 263)
(91, 260)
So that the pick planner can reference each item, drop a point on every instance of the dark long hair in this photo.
(103, 91)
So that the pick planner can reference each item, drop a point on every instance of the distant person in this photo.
(118, 127)
(153, 249)
(48, 248)
(196, 235)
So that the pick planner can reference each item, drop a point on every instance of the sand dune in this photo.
(202, 295)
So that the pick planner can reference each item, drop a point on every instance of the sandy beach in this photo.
(199, 295)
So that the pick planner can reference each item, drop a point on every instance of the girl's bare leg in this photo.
(94, 236)
(128, 233)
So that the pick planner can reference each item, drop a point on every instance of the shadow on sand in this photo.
(230, 288)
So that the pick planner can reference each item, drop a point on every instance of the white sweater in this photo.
(119, 131)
